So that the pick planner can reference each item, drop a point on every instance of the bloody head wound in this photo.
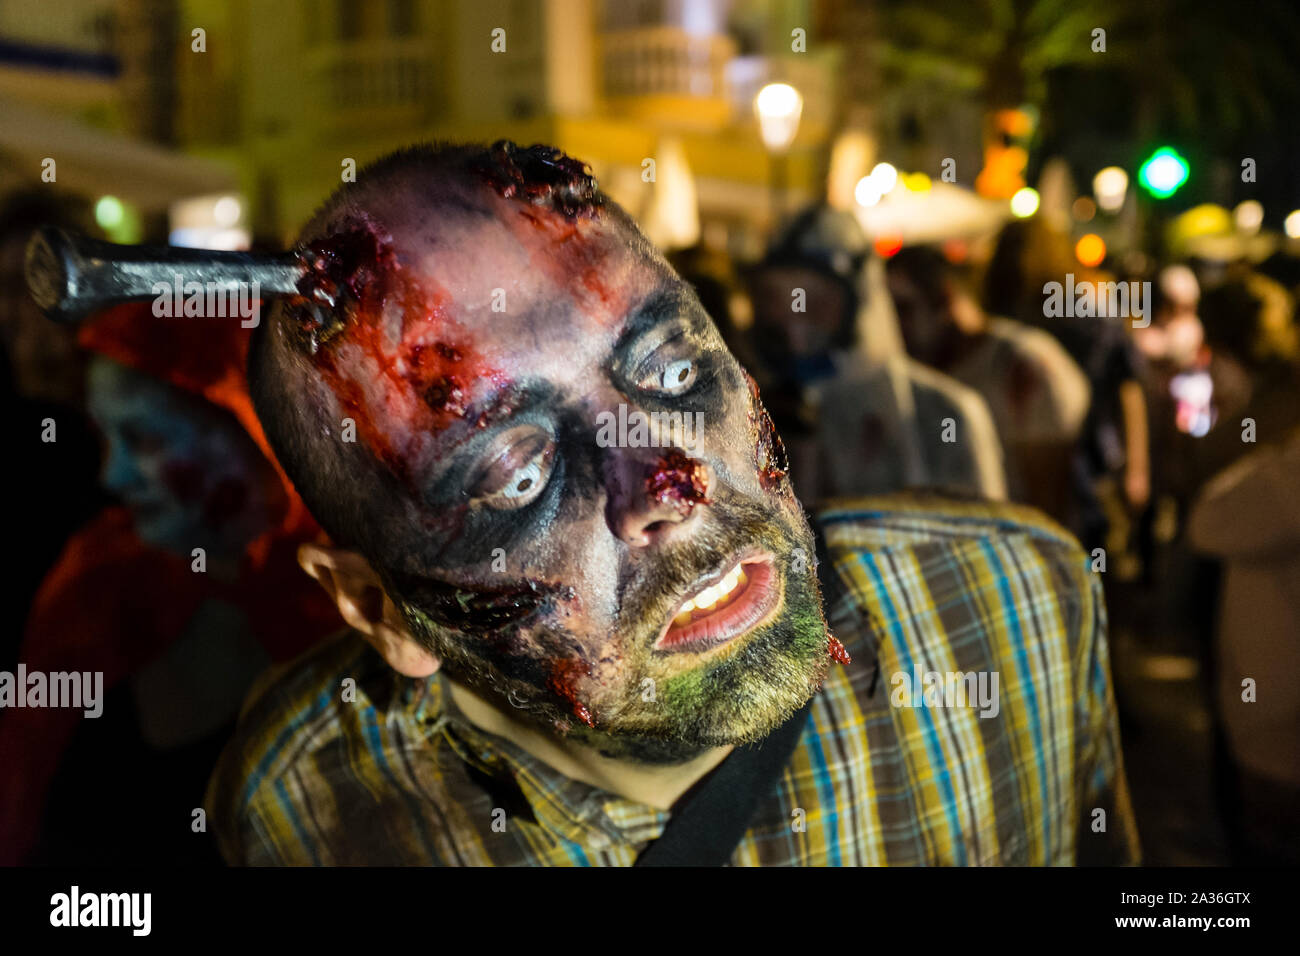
(541, 175)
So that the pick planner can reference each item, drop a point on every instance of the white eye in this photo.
(677, 376)
(517, 475)
(524, 481)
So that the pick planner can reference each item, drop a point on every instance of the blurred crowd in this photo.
(1167, 442)
(1161, 430)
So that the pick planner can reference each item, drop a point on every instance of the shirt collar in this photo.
(569, 809)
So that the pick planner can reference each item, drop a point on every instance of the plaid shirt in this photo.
(399, 776)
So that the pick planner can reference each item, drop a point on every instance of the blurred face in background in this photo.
(1176, 333)
(922, 317)
(782, 332)
(187, 471)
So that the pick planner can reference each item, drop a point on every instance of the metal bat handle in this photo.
(71, 276)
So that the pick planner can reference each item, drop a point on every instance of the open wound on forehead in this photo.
(383, 340)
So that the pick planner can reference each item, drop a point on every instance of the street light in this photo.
(778, 107)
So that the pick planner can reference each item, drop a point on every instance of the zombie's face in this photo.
(524, 380)
(189, 474)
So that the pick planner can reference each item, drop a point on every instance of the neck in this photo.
(655, 785)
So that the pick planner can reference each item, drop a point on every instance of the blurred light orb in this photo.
(1090, 250)
(916, 182)
(888, 246)
(956, 251)
(1110, 185)
(109, 212)
(1249, 216)
(778, 107)
(1291, 225)
(1083, 209)
(884, 176)
(1024, 203)
(225, 211)
(867, 192)
(1163, 172)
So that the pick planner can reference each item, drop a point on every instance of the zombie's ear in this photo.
(354, 587)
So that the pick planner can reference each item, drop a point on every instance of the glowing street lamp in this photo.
(1163, 172)
(778, 107)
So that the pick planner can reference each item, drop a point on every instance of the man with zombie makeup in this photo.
(567, 641)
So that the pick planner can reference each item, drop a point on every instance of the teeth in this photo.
(730, 581)
(707, 599)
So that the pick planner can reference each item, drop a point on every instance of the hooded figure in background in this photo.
(189, 587)
(825, 328)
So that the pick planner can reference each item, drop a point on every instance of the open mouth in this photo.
(723, 607)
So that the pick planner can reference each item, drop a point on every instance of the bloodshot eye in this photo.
(517, 475)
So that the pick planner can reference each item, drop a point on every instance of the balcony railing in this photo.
(664, 61)
(373, 80)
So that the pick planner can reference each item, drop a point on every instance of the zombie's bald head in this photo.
(498, 392)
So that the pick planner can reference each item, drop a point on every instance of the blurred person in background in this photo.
(1192, 389)
(1248, 517)
(128, 597)
(1113, 452)
(1251, 316)
(42, 382)
(1036, 393)
(824, 328)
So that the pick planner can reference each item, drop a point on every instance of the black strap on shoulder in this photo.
(707, 827)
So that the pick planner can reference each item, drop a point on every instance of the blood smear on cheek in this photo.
(565, 674)
(769, 451)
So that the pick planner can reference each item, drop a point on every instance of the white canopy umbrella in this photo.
(944, 211)
(93, 162)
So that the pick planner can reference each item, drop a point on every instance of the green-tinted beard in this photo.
(740, 699)
(745, 695)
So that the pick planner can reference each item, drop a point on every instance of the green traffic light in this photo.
(1163, 172)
